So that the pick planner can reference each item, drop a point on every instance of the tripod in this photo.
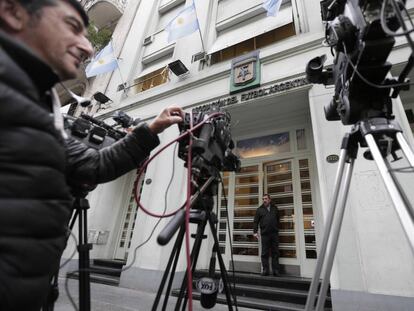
(201, 215)
(80, 205)
(384, 137)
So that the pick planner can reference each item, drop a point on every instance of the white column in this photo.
(373, 254)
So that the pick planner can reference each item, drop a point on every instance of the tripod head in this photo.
(358, 32)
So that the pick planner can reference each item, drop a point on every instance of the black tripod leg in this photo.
(174, 255)
(223, 270)
(194, 257)
(172, 274)
(84, 248)
(53, 294)
(73, 220)
(84, 287)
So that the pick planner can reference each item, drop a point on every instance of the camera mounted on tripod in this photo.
(92, 132)
(361, 33)
(212, 143)
(209, 140)
(355, 31)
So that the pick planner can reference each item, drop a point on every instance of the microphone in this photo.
(208, 286)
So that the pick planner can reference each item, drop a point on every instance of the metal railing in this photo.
(120, 4)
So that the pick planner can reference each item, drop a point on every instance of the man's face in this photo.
(58, 36)
(266, 200)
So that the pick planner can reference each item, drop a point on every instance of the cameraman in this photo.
(42, 42)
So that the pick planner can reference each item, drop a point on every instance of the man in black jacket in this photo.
(267, 218)
(43, 42)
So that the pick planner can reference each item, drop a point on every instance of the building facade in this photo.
(254, 66)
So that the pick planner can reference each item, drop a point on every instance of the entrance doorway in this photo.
(128, 222)
(289, 181)
(289, 184)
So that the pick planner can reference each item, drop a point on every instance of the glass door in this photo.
(128, 223)
(246, 200)
(280, 186)
(289, 184)
(308, 235)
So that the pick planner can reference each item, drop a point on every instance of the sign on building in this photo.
(245, 72)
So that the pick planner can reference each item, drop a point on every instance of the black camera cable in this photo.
(378, 86)
(159, 220)
(385, 27)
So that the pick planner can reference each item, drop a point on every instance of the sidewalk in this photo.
(111, 298)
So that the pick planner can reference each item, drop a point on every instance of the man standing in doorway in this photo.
(268, 218)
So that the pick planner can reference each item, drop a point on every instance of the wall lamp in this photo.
(178, 68)
(101, 98)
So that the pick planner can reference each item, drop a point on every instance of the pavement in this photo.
(112, 298)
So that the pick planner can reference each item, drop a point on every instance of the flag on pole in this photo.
(183, 24)
(103, 62)
(272, 6)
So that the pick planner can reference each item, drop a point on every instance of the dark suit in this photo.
(268, 221)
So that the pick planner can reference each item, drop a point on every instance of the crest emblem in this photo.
(245, 72)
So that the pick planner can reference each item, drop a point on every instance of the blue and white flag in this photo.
(272, 6)
(183, 24)
(103, 62)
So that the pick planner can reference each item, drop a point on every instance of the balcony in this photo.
(105, 13)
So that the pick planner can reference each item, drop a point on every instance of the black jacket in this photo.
(37, 170)
(267, 220)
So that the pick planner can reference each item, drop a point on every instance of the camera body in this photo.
(92, 132)
(354, 31)
(212, 143)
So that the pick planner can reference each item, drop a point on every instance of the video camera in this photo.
(360, 34)
(92, 132)
(212, 143)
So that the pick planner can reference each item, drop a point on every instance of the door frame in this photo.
(306, 265)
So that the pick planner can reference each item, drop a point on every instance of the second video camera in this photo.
(358, 31)
(212, 143)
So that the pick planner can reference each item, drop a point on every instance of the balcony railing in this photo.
(120, 4)
(104, 13)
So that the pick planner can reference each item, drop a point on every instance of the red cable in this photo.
(188, 199)
(137, 195)
(187, 221)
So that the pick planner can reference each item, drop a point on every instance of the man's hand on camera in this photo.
(166, 118)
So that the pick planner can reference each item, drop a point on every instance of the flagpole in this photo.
(199, 30)
(119, 70)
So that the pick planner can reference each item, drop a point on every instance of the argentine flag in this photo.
(272, 6)
(103, 62)
(183, 24)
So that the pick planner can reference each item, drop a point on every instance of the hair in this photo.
(267, 195)
(34, 7)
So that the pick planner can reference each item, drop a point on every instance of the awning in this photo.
(151, 67)
(244, 31)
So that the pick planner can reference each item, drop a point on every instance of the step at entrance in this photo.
(105, 271)
(284, 293)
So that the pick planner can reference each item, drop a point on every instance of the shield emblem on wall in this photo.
(245, 72)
